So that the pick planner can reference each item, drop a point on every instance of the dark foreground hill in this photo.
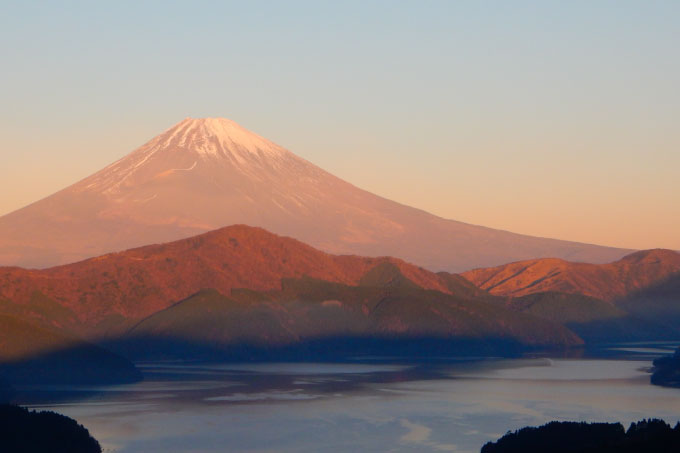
(24, 431)
(648, 436)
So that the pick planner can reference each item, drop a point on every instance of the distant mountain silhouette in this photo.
(204, 174)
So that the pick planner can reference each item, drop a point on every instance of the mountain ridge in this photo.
(609, 281)
(247, 293)
(634, 298)
(237, 256)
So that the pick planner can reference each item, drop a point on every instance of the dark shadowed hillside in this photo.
(32, 354)
(24, 431)
(316, 318)
(593, 319)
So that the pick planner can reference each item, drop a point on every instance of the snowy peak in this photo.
(216, 137)
(207, 143)
(202, 174)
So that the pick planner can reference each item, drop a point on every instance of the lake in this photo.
(367, 404)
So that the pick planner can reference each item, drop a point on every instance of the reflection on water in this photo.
(378, 406)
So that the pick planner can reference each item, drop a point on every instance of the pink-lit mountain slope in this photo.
(203, 174)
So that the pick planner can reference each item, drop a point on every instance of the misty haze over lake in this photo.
(366, 405)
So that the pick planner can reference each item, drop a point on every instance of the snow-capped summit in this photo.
(189, 144)
(203, 174)
(217, 137)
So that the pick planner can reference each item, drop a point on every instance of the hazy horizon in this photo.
(544, 119)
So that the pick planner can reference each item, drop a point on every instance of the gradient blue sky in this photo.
(548, 118)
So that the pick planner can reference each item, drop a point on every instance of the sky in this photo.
(555, 119)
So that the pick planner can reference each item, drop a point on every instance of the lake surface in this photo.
(372, 404)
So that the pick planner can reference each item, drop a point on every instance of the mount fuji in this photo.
(203, 174)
